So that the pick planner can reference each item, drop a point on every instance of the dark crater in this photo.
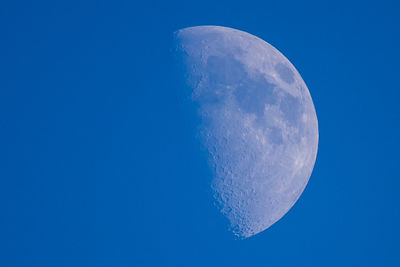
(253, 93)
(285, 73)
(221, 71)
(224, 70)
(275, 135)
(291, 108)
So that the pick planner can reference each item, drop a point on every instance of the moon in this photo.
(257, 122)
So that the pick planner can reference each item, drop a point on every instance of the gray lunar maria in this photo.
(257, 123)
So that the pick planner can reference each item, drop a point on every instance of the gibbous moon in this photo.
(257, 123)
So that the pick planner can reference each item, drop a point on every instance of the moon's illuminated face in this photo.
(258, 123)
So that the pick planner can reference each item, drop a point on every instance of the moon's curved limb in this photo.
(258, 123)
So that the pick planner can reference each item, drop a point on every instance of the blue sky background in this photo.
(97, 163)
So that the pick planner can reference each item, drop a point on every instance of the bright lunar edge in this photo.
(257, 123)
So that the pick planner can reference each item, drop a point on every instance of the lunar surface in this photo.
(257, 123)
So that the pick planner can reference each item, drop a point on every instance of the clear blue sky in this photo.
(97, 167)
